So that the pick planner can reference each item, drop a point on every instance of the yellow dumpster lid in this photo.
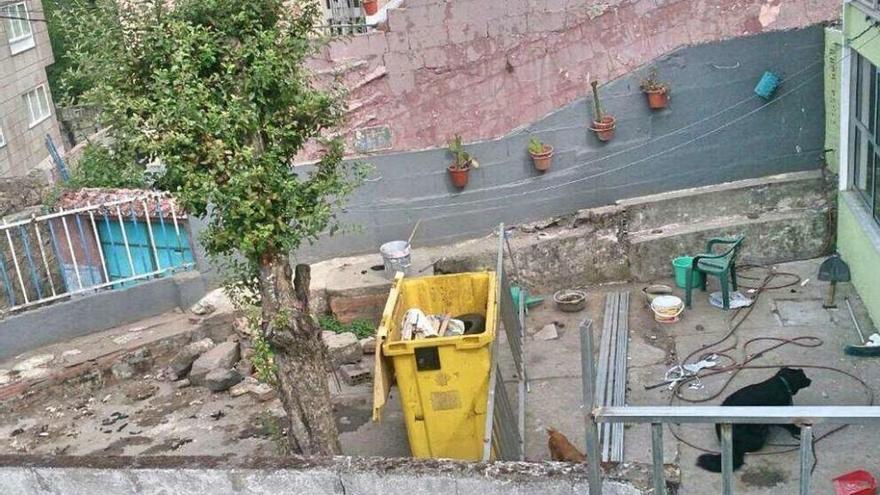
(382, 372)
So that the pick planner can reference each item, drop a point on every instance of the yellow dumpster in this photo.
(443, 382)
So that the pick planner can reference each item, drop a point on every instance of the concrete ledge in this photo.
(27, 475)
(85, 314)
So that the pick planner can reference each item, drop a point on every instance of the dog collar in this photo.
(785, 383)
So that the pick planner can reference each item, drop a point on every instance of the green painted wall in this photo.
(833, 42)
(862, 256)
(853, 239)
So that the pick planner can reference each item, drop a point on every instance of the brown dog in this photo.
(561, 449)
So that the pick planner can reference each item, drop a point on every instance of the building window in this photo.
(865, 134)
(38, 104)
(18, 27)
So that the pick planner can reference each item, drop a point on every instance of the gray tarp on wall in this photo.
(694, 142)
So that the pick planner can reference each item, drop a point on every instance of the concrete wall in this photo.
(32, 475)
(25, 149)
(483, 70)
(691, 143)
(82, 315)
(858, 235)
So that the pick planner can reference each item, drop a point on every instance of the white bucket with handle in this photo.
(396, 257)
(667, 308)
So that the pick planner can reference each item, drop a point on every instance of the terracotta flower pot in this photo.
(542, 160)
(459, 176)
(371, 7)
(657, 98)
(605, 129)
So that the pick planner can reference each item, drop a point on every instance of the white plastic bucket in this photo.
(667, 309)
(396, 257)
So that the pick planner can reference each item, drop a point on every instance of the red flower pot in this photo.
(542, 160)
(371, 7)
(658, 98)
(459, 176)
(605, 129)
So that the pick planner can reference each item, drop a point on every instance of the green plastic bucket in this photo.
(680, 266)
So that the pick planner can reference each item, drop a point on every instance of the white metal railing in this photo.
(726, 416)
(60, 254)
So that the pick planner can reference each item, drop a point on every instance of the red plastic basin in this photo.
(858, 482)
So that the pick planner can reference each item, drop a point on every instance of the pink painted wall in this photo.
(482, 69)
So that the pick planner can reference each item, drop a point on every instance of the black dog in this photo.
(776, 391)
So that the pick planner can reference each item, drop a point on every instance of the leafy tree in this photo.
(218, 91)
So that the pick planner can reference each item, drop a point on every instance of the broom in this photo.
(862, 350)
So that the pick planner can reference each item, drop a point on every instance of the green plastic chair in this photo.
(721, 265)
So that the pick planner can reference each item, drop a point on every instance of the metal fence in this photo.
(803, 416)
(344, 17)
(505, 427)
(96, 247)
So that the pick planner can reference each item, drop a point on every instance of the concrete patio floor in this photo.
(555, 376)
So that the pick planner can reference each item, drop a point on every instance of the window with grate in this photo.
(19, 32)
(344, 17)
(865, 134)
(37, 101)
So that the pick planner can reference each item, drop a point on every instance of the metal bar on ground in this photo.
(657, 454)
(43, 255)
(727, 459)
(70, 248)
(125, 239)
(100, 248)
(522, 386)
(588, 381)
(740, 414)
(17, 268)
(805, 458)
(619, 398)
(35, 275)
(150, 233)
(602, 365)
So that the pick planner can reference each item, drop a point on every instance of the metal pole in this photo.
(17, 269)
(70, 248)
(727, 459)
(125, 239)
(806, 456)
(98, 243)
(35, 276)
(588, 380)
(43, 254)
(150, 232)
(657, 453)
(521, 389)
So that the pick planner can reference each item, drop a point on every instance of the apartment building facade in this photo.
(27, 114)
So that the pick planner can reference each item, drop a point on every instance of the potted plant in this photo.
(603, 124)
(370, 6)
(462, 162)
(542, 154)
(657, 91)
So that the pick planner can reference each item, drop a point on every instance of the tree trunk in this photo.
(300, 357)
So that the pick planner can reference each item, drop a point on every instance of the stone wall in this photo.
(483, 70)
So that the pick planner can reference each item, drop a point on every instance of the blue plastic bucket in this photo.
(767, 85)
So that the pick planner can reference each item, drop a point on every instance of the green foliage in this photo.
(536, 146)
(461, 158)
(361, 328)
(103, 167)
(652, 82)
(219, 92)
(264, 360)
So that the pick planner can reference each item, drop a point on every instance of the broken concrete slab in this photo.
(344, 347)
(132, 363)
(37, 361)
(214, 301)
(220, 379)
(222, 356)
(182, 361)
(250, 385)
(548, 332)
